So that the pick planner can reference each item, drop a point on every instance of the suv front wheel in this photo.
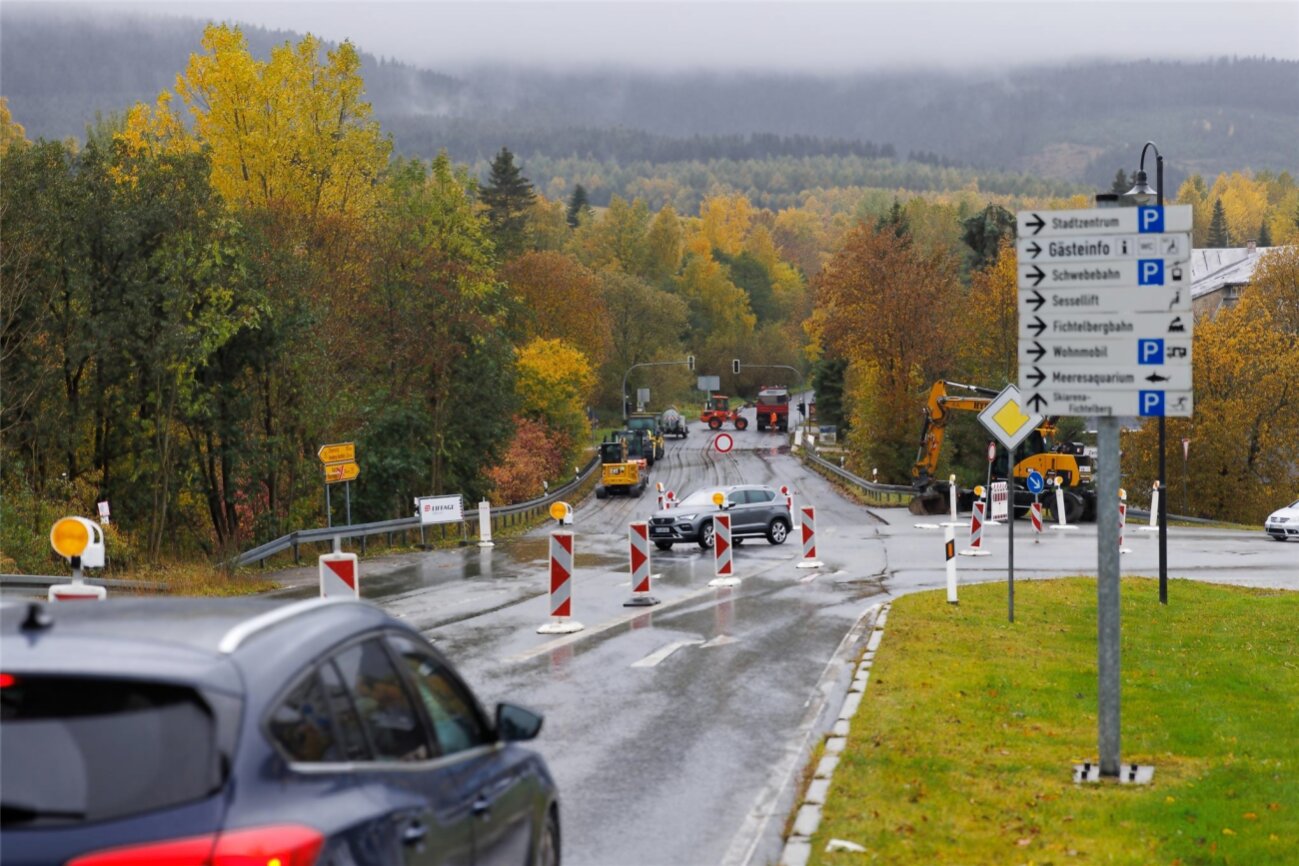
(778, 531)
(706, 536)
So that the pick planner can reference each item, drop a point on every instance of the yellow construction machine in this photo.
(1066, 460)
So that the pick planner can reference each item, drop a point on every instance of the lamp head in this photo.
(1142, 192)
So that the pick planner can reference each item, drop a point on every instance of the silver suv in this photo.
(756, 511)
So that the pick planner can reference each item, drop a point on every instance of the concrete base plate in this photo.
(564, 626)
(640, 601)
(927, 526)
(972, 552)
(485, 544)
(1129, 774)
(1148, 529)
(1058, 526)
(810, 563)
(724, 581)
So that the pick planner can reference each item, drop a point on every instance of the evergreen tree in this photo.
(576, 204)
(983, 233)
(895, 221)
(827, 381)
(1264, 234)
(508, 195)
(1122, 183)
(1218, 236)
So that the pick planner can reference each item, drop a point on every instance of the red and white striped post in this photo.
(976, 532)
(723, 556)
(671, 499)
(789, 503)
(561, 586)
(638, 545)
(1036, 513)
(1123, 519)
(807, 521)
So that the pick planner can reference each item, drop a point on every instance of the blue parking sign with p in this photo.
(1150, 351)
(1150, 218)
(1150, 272)
(1151, 403)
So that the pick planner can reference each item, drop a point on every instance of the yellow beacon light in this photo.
(558, 510)
(718, 498)
(69, 537)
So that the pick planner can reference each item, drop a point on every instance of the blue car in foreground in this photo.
(195, 731)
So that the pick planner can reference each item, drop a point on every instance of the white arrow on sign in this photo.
(1121, 300)
(1103, 221)
(1106, 378)
(1059, 353)
(1117, 326)
(1087, 402)
(1171, 247)
(1102, 275)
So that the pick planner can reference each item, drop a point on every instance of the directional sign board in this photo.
(1007, 419)
(336, 473)
(343, 452)
(1105, 314)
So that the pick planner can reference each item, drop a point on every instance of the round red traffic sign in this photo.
(723, 442)
(992, 451)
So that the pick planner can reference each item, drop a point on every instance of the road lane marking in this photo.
(720, 640)
(662, 653)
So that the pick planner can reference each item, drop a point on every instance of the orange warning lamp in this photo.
(70, 537)
(718, 499)
(557, 510)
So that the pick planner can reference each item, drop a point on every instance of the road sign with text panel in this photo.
(1103, 221)
(1174, 247)
(342, 452)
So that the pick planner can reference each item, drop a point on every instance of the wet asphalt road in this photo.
(673, 731)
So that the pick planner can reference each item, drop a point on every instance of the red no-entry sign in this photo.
(723, 442)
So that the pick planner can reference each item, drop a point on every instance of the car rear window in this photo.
(76, 750)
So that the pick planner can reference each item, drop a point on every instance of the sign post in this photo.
(1105, 325)
(1006, 419)
(339, 462)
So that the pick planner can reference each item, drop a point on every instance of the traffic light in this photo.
(690, 362)
(735, 366)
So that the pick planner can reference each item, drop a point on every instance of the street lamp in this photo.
(1141, 193)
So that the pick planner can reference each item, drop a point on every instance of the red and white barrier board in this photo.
(639, 550)
(339, 575)
(561, 586)
(807, 520)
(976, 532)
(1036, 513)
(723, 554)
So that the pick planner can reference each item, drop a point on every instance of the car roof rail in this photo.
(249, 627)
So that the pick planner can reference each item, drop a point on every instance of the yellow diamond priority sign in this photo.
(1007, 419)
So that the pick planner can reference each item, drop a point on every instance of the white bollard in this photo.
(1154, 510)
(1062, 522)
(949, 549)
(951, 501)
(561, 586)
(1123, 518)
(485, 524)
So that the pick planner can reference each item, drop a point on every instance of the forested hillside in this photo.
(1073, 123)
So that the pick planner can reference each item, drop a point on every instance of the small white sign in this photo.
(1142, 273)
(1106, 378)
(103, 512)
(1172, 247)
(1062, 353)
(1088, 402)
(1115, 326)
(440, 509)
(1148, 219)
(1115, 300)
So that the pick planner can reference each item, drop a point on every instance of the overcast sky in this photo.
(822, 36)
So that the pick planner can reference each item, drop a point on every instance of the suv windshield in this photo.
(78, 750)
(698, 499)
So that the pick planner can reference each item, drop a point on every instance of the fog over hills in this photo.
(1070, 123)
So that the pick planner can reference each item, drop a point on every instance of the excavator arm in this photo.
(931, 432)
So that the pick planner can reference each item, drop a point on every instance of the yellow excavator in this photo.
(1066, 460)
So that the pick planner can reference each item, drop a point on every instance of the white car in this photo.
(1284, 522)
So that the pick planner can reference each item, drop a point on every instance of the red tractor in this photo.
(717, 411)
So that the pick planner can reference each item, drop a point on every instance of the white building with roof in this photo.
(1218, 275)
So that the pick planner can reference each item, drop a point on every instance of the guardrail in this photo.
(903, 492)
(502, 516)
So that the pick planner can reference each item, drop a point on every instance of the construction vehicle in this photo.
(618, 473)
(773, 408)
(640, 447)
(649, 422)
(673, 423)
(717, 411)
(1067, 460)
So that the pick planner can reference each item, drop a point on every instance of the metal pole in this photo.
(1163, 474)
(1010, 544)
(1107, 595)
(329, 508)
(347, 496)
(1186, 509)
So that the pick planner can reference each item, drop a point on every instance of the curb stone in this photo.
(798, 847)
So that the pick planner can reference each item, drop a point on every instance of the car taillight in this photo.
(280, 845)
(7, 680)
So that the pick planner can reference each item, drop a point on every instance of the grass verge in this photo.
(961, 751)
